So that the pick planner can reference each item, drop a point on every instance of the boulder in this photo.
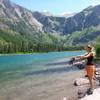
(94, 96)
(81, 81)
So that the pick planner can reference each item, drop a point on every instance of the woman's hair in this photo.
(92, 49)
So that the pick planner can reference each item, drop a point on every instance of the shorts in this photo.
(90, 71)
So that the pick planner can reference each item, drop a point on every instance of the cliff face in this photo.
(16, 15)
(85, 19)
(50, 24)
(76, 27)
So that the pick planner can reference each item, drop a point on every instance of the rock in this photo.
(80, 65)
(97, 75)
(18, 16)
(81, 81)
(94, 96)
(84, 80)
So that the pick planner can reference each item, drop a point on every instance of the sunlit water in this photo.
(18, 66)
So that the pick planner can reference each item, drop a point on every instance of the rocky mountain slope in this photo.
(80, 28)
(14, 15)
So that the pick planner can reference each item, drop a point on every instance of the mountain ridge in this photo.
(27, 23)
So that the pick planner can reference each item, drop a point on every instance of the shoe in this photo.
(90, 91)
(86, 75)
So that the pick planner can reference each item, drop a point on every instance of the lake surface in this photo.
(42, 76)
(16, 66)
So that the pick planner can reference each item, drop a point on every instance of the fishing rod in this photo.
(76, 61)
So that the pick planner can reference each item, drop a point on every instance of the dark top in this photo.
(90, 60)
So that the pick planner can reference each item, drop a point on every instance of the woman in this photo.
(90, 68)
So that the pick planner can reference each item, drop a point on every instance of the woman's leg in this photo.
(90, 73)
(91, 83)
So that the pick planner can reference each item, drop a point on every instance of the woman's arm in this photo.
(79, 57)
(86, 56)
(82, 57)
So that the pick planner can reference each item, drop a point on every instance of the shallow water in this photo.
(43, 76)
(17, 66)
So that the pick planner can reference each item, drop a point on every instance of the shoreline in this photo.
(12, 54)
(45, 87)
(53, 86)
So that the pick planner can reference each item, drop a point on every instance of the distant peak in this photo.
(67, 14)
(47, 13)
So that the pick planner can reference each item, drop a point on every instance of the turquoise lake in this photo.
(18, 66)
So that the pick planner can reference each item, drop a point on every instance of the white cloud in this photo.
(95, 2)
(45, 11)
(64, 13)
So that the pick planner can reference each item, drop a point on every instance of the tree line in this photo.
(29, 47)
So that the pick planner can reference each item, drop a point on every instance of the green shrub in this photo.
(98, 52)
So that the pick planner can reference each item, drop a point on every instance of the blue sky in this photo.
(56, 7)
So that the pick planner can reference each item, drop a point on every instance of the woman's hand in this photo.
(82, 57)
(78, 57)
